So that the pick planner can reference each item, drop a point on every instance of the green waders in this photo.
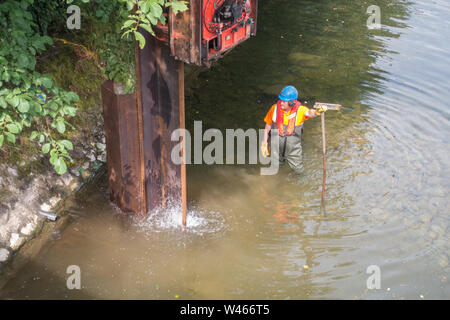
(289, 148)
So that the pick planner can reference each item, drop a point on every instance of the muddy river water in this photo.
(264, 237)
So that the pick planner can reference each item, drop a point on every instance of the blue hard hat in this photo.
(288, 93)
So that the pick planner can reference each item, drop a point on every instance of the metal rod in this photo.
(180, 69)
(48, 215)
(142, 197)
(324, 150)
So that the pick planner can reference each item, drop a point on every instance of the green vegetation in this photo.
(28, 98)
(39, 100)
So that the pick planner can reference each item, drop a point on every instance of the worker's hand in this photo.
(264, 149)
(321, 109)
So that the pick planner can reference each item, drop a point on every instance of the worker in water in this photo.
(286, 117)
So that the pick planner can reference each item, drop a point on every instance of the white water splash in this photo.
(169, 218)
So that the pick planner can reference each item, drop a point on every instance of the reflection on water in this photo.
(264, 237)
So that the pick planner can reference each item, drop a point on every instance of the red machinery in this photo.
(208, 29)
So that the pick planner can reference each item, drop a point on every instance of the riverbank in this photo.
(45, 231)
(28, 183)
(23, 197)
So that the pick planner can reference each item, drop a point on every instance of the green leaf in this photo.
(34, 135)
(144, 6)
(25, 122)
(153, 21)
(37, 108)
(54, 155)
(148, 27)
(3, 103)
(156, 9)
(178, 6)
(10, 137)
(13, 101)
(130, 5)
(13, 128)
(72, 96)
(60, 166)
(2, 138)
(67, 144)
(24, 106)
(71, 111)
(22, 60)
(128, 24)
(60, 126)
(46, 148)
(139, 37)
(53, 159)
(46, 82)
(47, 40)
(6, 77)
(38, 44)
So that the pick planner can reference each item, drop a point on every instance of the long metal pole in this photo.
(324, 150)
(142, 193)
(180, 69)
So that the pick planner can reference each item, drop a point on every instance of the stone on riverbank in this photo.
(28, 229)
(16, 241)
(4, 254)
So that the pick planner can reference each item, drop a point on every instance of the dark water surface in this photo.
(264, 237)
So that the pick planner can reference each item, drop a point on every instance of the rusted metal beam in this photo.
(120, 118)
(138, 129)
(160, 97)
(185, 33)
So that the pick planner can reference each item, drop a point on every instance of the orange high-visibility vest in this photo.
(292, 118)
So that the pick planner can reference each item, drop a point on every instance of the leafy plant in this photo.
(31, 105)
(139, 14)
(28, 98)
(124, 17)
(118, 56)
(148, 13)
